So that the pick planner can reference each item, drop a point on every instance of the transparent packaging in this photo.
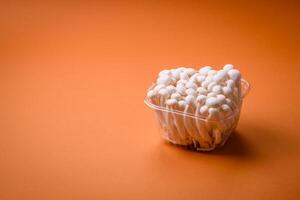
(197, 132)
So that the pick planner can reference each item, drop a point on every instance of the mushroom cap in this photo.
(212, 102)
(228, 67)
(201, 98)
(171, 88)
(201, 90)
(200, 78)
(176, 96)
(180, 89)
(204, 70)
(221, 97)
(171, 102)
(226, 91)
(203, 110)
(165, 72)
(158, 87)
(230, 83)
(220, 76)
(234, 74)
(190, 99)
(182, 103)
(163, 92)
(184, 76)
(151, 93)
(226, 108)
(213, 111)
(191, 85)
(217, 89)
(211, 85)
(165, 80)
(212, 72)
(191, 91)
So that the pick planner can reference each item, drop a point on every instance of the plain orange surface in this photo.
(73, 75)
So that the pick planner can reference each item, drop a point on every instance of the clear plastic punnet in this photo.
(193, 131)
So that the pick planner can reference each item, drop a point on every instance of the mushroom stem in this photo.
(204, 138)
(188, 123)
(172, 128)
(177, 120)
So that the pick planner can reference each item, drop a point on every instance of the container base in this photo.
(196, 145)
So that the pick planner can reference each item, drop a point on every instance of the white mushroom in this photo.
(158, 87)
(207, 94)
(212, 102)
(171, 89)
(176, 73)
(227, 91)
(228, 67)
(165, 73)
(234, 74)
(176, 96)
(182, 104)
(221, 98)
(193, 78)
(190, 71)
(226, 108)
(230, 83)
(211, 94)
(164, 93)
(190, 100)
(213, 113)
(212, 72)
(191, 91)
(180, 120)
(182, 82)
(205, 70)
(209, 78)
(201, 90)
(181, 90)
(205, 84)
(220, 76)
(151, 93)
(201, 99)
(191, 85)
(217, 89)
(190, 126)
(211, 85)
(174, 128)
(184, 76)
(229, 103)
(203, 136)
(217, 136)
(165, 80)
(200, 78)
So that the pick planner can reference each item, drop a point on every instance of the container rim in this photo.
(245, 87)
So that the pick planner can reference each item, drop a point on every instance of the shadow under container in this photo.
(197, 132)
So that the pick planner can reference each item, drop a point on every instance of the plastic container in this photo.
(197, 132)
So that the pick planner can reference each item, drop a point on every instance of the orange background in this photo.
(73, 77)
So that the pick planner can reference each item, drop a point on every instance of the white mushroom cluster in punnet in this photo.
(199, 108)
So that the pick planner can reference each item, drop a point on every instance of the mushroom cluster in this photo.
(208, 100)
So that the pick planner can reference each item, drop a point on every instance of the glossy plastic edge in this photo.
(245, 91)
